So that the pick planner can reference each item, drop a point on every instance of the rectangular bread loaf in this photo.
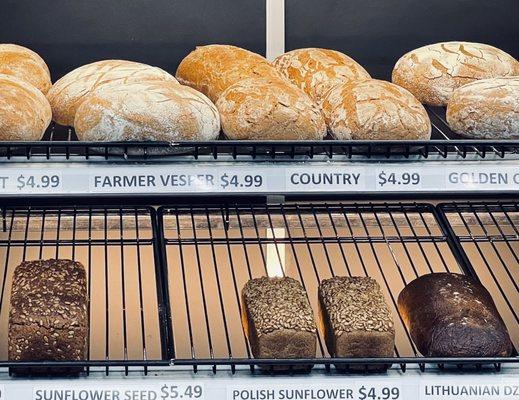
(279, 320)
(356, 320)
(48, 317)
(453, 315)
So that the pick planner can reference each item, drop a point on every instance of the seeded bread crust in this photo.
(48, 318)
(452, 315)
(279, 320)
(356, 319)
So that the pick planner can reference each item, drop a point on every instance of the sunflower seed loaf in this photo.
(48, 317)
(279, 320)
(356, 319)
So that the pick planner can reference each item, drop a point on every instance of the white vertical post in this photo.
(276, 253)
(275, 28)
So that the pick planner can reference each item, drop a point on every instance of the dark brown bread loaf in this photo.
(279, 319)
(356, 319)
(452, 315)
(48, 318)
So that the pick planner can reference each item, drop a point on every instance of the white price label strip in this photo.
(468, 389)
(281, 178)
(325, 391)
(158, 391)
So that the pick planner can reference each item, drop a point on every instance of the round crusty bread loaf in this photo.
(151, 110)
(486, 109)
(269, 109)
(212, 69)
(316, 70)
(26, 65)
(67, 93)
(433, 72)
(375, 110)
(24, 111)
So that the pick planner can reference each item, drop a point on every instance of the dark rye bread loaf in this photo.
(356, 320)
(279, 320)
(452, 315)
(48, 318)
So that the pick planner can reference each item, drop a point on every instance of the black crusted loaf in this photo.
(278, 319)
(452, 315)
(48, 318)
(356, 319)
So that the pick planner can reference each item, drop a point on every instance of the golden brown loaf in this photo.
(67, 93)
(433, 72)
(24, 111)
(212, 69)
(486, 109)
(151, 110)
(269, 109)
(26, 65)
(316, 70)
(375, 110)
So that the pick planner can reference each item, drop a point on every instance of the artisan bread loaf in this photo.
(151, 110)
(24, 111)
(375, 110)
(212, 69)
(356, 319)
(269, 109)
(316, 70)
(67, 94)
(48, 317)
(433, 72)
(278, 319)
(26, 65)
(452, 315)
(486, 109)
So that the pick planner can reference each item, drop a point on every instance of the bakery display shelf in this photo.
(61, 142)
(118, 248)
(212, 251)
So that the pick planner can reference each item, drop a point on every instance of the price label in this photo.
(242, 181)
(382, 391)
(31, 182)
(159, 391)
(398, 179)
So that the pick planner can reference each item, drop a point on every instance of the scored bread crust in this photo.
(278, 319)
(375, 110)
(67, 94)
(269, 109)
(151, 110)
(48, 317)
(213, 68)
(486, 109)
(433, 72)
(316, 70)
(452, 315)
(25, 113)
(26, 65)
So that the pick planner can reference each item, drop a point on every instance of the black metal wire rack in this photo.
(61, 142)
(118, 247)
(487, 237)
(211, 252)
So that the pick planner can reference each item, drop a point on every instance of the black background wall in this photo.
(70, 33)
(378, 32)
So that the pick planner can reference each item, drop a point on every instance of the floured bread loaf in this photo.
(269, 109)
(486, 109)
(24, 111)
(452, 315)
(316, 70)
(67, 94)
(26, 65)
(375, 110)
(151, 110)
(356, 319)
(279, 320)
(433, 72)
(212, 69)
